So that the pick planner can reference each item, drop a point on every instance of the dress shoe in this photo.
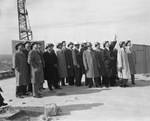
(37, 96)
(19, 96)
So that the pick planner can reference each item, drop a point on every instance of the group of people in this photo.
(69, 62)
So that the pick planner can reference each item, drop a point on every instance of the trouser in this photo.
(78, 75)
(70, 80)
(35, 88)
(19, 91)
(24, 89)
(62, 80)
(99, 81)
(105, 80)
(132, 78)
(49, 83)
(86, 80)
(1, 100)
(112, 80)
(29, 88)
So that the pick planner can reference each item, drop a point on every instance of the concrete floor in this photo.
(84, 104)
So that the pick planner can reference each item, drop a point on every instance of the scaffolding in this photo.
(25, 32)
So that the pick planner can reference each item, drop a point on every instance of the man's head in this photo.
(34, 46)
(77, 45)
(70, 45)
(19, 46)
(27, 45)
(97, 45)
(89, 45)
(49, 47)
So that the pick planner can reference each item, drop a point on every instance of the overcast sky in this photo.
(78, 20)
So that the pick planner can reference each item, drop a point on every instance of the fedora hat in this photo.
(16, 46)
(49, 45)
(70, 43)
(104, 43)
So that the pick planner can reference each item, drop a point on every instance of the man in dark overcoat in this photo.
(77, 61)
(21, 69)
(69, 64)
(102, 72)
(27, 47)
(50, 69)
(109, 61)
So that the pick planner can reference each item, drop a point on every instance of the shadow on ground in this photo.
(73, 90)
(67, 109)
(32, 113)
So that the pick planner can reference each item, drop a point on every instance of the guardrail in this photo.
(7, 74)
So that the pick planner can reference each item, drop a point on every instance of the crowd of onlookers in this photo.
(69, 62)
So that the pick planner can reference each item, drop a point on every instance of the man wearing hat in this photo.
(114, 51)
(91, 64)
(62, 68)
(35, 62)
(131, 59)
(83, 48)
(50, 70)
(27, 47)
(123, 64)
(77, 62)
(43, 64)
(102, 72)
(21, 69)
(109, 61)
(69, 64)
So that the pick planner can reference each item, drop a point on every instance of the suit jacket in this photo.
(21, 69)
(36, 66)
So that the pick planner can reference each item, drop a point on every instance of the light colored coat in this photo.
(131, 59)
(36, 66)
(62, 68)
(91, 63)
(21, 69)
(122, 61)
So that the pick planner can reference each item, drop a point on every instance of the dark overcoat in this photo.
(91, 63)
(21, 69)
(100, 58)
(50, 60)
(36, 66)
(109, 61)
(69, 62)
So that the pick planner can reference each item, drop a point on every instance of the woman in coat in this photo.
(36, 66)
(21, 69)
(62, 68)
(123, 64)
(131, 59)
(91, 64)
